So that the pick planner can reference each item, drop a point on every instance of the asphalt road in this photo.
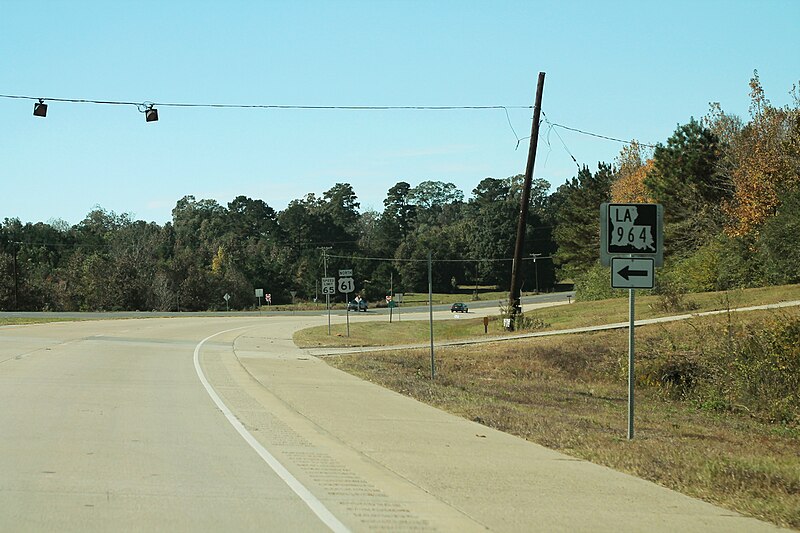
(221, 424)
(548, 298)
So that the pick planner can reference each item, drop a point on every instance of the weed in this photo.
(671, 297)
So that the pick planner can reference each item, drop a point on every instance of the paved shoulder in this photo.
(495, 480)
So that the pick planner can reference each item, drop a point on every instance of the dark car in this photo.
(459, 308)
(357, 305)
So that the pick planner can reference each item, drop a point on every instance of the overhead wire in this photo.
(268, 106)
(599, 136)
(147, 105)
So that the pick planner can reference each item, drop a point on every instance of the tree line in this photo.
(729, 188)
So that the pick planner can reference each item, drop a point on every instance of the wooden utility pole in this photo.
(16, 283)
(516, 267)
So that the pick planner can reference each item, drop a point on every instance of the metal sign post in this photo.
(398, 299)
(430, 311)
(347, 285)
(328, 288)
(632, 244)
(631, 380)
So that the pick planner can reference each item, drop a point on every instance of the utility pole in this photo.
(536, 268)
(514, 301)
(16, 282)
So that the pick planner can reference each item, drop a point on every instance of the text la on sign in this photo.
(631, 230)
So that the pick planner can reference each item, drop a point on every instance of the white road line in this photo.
(316, 506)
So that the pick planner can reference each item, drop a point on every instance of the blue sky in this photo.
(623, 69)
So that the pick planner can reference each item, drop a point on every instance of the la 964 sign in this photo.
(631, 230)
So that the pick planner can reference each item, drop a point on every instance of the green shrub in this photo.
(747, 367)
(757, 368)
(672, 297)
(779, 243)
(595, 284)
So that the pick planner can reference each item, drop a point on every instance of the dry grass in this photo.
(570, 394)
(19, 321)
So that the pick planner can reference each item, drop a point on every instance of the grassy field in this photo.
(707, 424)
(578, 314)
(15, 321)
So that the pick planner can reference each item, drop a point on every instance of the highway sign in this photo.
(346, 273)
(347, 285)
(328, 285)
(632, 273)
(227, 297)
(631, 230)
(259, 293)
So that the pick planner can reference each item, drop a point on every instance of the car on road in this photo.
(459, 308)
(357, 305)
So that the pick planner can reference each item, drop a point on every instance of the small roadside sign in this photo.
(631, 230)
(346, 273)
(259, 293)
(227, 297)
(632, 273)
(347, 285)
(328, 285)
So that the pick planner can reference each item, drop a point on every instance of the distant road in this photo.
(541, 298)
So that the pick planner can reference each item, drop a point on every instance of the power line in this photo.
(551, 128)
(606, 137)
(148, 106)
(268, 106)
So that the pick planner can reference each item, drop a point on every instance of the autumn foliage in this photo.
(629, 187)
(765, 155)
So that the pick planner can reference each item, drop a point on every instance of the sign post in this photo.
(328, 288)
(347, 285)
(632, 244)
(398, 299)
(390, 303)
(259, 295)
(226, 298)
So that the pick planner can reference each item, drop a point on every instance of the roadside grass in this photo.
(465, 295)
(19, 321)
(382, 333)
(578, 314)
(570, 394)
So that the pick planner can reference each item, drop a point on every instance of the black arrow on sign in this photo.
(627, 273)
